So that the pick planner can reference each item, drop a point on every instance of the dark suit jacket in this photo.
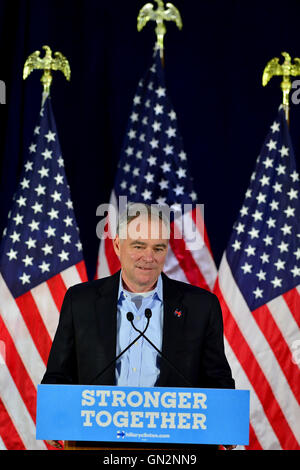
(85, 341)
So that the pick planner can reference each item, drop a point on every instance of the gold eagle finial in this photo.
(159, 15)
(47, 63)
(286, 70)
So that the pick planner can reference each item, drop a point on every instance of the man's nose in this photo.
(148, 255)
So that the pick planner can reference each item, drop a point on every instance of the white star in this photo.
(236, 245)
(68, 221)
(123, 184)
(18, 219)
(44, 266)
(28, 166)
(15, 237)
(50, 231)
(265, 258)
(53, 214)
(168, 149)
(279, 264)
(161, 201)
(284, 151)
(59, 178)
(132, 189)
(37, 207)
(50, 136)
(172, 115)
(21, 201)
(158, 109)
(126, 167)
(280, 170)
(137, 100)
(154, 143)
(261, 198)
(31, 243)
(193, 196)
(295, 176)
(47, 249)
(136, 171)
(25, 183)
(12, 254)
(171, 132)
(244, 211)
(276, 282)
(247, 268)
(161, 92)
(264, 180)
(295, 271)
(277, 187)
(47, 154)
(248, 193)
(164, 184)
(149, 177)
(253, 233)
(261, 275)
(268, 162)
(258, 292)
(69, 204)
(34, 225)
(156, 126)
(293, 194)
(182, 155)
(132, 134)
(275, 126)
(37, 130)
(286, 229)
(165, 167)
(78, 246)
(129, 151)
(146, 194)
(134, 117)
(240, 228)
(181, 173)
(250, 250)
(25, 278)
(139, 155)
(66, 238)
(297, 253)
(271, 145)
(268, 240)
(257, 215)
(178, 190)
(152, 160)
(283, 247)
(64, 255)
(56, 196)
(60, 162)
(32, 148)
(43, 172)
(271, 222)
(40, 189)
(27, 260)
(274, 205)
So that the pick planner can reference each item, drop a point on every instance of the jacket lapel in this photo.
(172, 326)
(106, 314)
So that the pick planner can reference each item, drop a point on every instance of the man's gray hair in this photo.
(139, 209)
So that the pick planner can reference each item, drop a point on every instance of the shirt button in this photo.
(134, 369)
(138, 317)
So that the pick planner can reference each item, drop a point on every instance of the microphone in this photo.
(141, 333)
(148, 315)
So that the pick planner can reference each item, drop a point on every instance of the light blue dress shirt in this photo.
(139, 366)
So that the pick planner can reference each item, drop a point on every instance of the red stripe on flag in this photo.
(186, 260)
(279, 347)
(256, 376)
(18, 372)
(82, 271)
(292, 298)
(58, 289)
(35, 324)
(111, 257)
(8, 431)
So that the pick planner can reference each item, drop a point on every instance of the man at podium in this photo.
(182, 341)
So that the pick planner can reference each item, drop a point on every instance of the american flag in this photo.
(40, 257)
(258, 286)
(153, 169)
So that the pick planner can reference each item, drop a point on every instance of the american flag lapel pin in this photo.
(178, 313)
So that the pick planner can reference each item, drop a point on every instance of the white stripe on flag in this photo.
(46, 306)
(2, 446)
(70, 277)
(18, 412)
(172, 267)
(22, 339)
(260, 347)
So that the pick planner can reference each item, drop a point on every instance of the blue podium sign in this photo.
(128, 414)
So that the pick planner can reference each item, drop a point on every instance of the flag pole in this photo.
(286, 70)
(47, 63)
(171, 13)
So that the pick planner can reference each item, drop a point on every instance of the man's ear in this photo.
(116, 244)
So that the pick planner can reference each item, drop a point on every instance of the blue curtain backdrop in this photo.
(213, 71)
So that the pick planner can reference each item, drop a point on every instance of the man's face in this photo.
(142, 253)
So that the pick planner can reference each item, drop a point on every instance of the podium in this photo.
(112, 418)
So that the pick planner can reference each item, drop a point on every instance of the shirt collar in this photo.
(157, 294)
